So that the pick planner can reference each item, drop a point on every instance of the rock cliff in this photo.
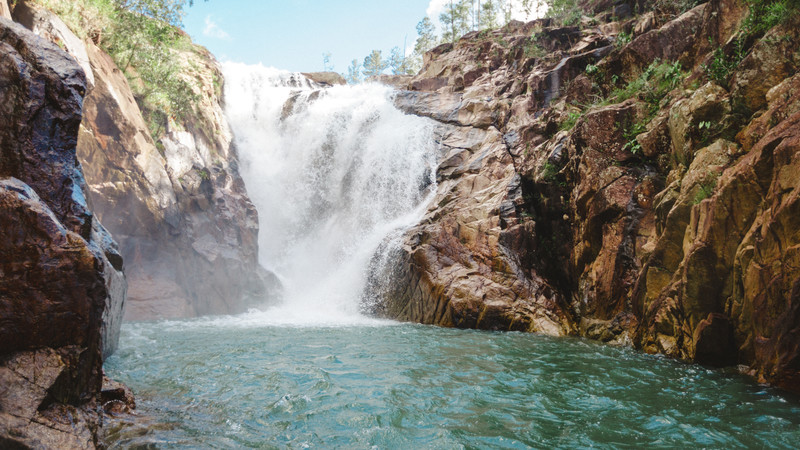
(632, 179)
(62, 288)
(176, 205)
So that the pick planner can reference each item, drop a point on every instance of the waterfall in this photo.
(334, 172)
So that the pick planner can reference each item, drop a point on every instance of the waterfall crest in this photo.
(333, 172)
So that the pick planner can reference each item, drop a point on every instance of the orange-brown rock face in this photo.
(586, 189)
(61, 284)
(178, 207)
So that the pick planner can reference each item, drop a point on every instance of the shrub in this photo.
(142, 37)
(569, 123)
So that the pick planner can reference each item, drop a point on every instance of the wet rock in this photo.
(116, 398)
(62, 289)
(178, 207)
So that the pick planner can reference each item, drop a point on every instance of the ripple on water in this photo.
(211, 383)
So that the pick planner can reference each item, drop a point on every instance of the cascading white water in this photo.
(332, 172)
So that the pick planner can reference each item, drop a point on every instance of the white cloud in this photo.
(213, 30)
(435, 7)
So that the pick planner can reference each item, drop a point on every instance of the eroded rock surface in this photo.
(62, 289)
(178, 207)
(664, 217)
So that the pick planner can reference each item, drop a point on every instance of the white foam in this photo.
(332, 172)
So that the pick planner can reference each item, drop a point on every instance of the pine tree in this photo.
(326, 62)
(455, 20)
(488, 17)
(426, 40)
(399, 63)
(353, 73)
(374, 64)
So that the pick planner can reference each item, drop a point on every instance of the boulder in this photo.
(62, 290)
(325, 78)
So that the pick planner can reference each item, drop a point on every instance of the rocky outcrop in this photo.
(177, 206)
(326, 79)
(584, 189)
(61, 284)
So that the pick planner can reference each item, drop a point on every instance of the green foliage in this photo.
(353, 75)
(534, 50)
(142, 37)
(630, 132)
(488, 19)
(565, 12)
(763, 15)
(549, 172)
(374, 64)
(455, 20)
(706, 189)
(572, 119)
(426, 40)
(722, 65)
(652, 85)
(623, 39)
(399, 63)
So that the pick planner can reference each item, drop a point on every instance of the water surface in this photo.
(237, 382)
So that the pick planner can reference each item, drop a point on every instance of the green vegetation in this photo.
(142, 36)
(623, 39)
(652, 85)
(565, 12)
(572, 119)
(706, 189)
(763, 16)
(549, 172)
(534, 50)
(460, 17)
(721, 66)
(374, 64)
(630, 132)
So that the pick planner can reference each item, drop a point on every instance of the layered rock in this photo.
(178, 207)
(62, 289)
(663, 218)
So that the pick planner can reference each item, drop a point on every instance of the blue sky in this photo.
(293, 34)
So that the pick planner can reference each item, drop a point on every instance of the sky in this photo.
(293, 34)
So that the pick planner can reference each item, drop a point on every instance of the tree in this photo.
(455, 20)
(426, 36)
(488, 17)
(326, 62)
(399, 63)
(506, 7)
(374, 64)
(169, 11)
(353, 73)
